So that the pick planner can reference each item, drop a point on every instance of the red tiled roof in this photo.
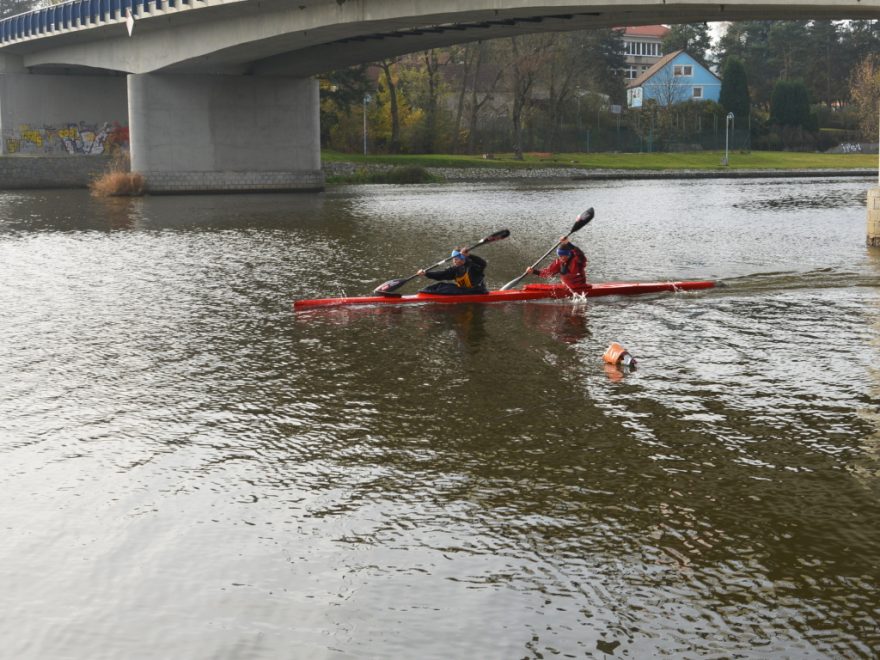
(658, 65)
(658, 31)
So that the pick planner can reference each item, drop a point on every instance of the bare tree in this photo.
(394, 145)
(565, 68)
(468, 55)
(529, 55)
(477, 86)
(667, 88)
(432, 71)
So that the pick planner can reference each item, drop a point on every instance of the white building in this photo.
(642, 48)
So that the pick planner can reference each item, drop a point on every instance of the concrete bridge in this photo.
(219, 95)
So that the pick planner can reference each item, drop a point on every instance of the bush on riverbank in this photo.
(118, 180)
(396, 175)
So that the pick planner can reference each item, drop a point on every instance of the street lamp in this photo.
(367, 99)
(727, 125)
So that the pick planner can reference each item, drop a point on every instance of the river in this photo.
(189, 469)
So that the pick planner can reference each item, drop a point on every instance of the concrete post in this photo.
(874, 203)
(213, 133)
(874, 217)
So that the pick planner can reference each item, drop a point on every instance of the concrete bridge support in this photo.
(219, 133)
(874, 217)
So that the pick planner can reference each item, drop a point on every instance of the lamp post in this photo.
(727, 124)
(367, 99)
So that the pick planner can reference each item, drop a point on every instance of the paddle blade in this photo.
(582, 220)
(512, 283)
(391, 285)
(497, 236)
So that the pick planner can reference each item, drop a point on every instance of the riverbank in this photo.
(348, 168)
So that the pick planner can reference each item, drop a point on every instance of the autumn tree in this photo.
(865, 91)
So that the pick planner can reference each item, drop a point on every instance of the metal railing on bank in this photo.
(497, 137)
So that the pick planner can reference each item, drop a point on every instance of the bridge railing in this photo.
(76, 14)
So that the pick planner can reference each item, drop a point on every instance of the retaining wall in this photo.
(21, 172)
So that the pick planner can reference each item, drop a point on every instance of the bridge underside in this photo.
(277, 37)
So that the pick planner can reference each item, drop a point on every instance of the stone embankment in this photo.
(470, 174)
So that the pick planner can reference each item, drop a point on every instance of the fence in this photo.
(632, 134)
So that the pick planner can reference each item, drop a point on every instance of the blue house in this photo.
(675, 78)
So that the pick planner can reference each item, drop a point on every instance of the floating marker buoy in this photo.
(617, 355)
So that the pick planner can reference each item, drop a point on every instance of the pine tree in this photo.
(735, 89)
(790, 104)
(693, 38)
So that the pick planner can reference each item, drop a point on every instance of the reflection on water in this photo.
(782, 196)
(189, 469)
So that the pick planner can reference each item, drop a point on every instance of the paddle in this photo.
(580, 223)
(393, 285)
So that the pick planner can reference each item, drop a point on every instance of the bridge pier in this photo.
(219, 133)
(874, 217)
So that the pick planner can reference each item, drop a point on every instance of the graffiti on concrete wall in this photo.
(74, 139)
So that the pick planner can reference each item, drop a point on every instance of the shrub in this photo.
(408, 174)
(118, 180)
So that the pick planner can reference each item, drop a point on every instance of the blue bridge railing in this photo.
(77, 13)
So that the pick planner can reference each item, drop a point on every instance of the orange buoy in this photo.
(617, 355)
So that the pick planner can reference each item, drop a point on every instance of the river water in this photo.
(189, 469)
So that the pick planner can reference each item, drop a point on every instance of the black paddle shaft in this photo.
(582, 220)
(393, 285)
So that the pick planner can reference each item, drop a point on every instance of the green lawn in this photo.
(698, 160)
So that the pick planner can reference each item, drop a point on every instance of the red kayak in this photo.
(528, 292)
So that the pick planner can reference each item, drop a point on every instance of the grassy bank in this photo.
(701, 160)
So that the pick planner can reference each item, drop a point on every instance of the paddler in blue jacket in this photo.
(466, 274)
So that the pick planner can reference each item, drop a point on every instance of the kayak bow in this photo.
(528, 292)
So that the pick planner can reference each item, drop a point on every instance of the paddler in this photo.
(466, 274)
(570, 264)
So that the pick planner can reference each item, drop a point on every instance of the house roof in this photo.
(658, 31)
(657, 66)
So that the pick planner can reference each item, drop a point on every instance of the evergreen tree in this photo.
(825, 75)
(735, 89)
(691, 37)
(790, 104)
(790, 49)
(601, 52)
(748, 41)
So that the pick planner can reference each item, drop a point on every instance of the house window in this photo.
(682, 70)
(632, 73)
(698, 93)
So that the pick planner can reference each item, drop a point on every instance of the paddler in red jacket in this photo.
(466, 272)
(570, 264)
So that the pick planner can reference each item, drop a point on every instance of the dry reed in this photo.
(118, 181)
